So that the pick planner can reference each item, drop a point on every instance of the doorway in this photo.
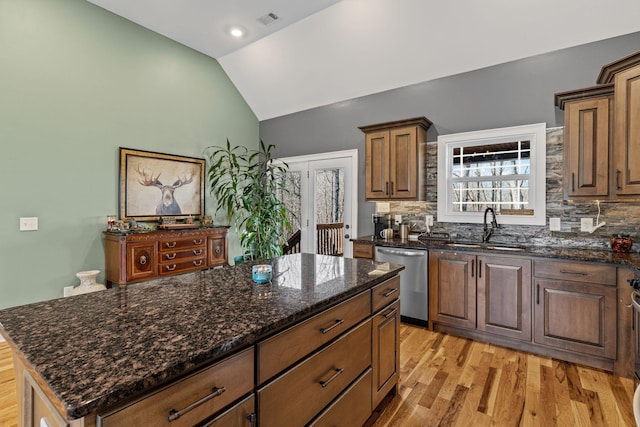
(321, 202)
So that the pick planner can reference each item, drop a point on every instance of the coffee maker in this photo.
(380, 222)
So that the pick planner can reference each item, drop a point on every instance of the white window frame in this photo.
(536, 133)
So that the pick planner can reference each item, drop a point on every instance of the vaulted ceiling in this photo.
(319, 52)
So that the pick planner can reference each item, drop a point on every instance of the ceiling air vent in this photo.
(268, 19)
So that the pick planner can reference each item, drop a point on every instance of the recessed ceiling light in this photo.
(236, 32)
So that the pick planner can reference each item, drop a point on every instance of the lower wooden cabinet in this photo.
(351, 408)
(561, 309)
(487, 293)
(364, 250)
(190, 400)
(242, 414)
(294, 398)
(385, 351)
(575, 309)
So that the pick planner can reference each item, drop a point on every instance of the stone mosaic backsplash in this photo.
(620, 217)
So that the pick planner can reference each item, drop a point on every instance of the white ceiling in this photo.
(325, 51)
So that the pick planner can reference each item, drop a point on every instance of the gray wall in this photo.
(509, 94)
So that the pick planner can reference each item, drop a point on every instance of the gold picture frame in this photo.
(154, 185)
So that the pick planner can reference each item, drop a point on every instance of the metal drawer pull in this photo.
(337, 372)
(171, 267)
(391, 312)
(389, 292)
(171, 245)
(581, 273)
(171, 256)
(336, 324)
(197, 263)
(215, 392)
(198, 252)
(197, 242)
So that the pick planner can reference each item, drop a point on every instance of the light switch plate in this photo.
(586, 224)
(555, 224)
(28, 223)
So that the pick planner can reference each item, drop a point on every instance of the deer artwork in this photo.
(168, 204)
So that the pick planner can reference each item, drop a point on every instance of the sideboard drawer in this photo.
(182, 243)
(173, 267)
(297, 396)
(222, 383)
(307, 336)
(576, 271)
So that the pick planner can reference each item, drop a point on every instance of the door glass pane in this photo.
(329, 211)
(293, 203)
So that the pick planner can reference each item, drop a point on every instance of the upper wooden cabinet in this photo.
(586, 141)
(607, 114)
(395, 156)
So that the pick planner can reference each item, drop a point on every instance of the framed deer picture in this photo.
(154, 185)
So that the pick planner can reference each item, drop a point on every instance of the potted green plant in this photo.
(246, 184)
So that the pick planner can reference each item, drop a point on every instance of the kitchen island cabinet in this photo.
(141, 348)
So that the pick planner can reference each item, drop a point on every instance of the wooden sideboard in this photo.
(142, 256)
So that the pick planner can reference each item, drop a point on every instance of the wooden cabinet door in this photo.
(142, 260)
(452, 288)
(586, 148)
(627, 131)
(575, 316)
(377, 165)
(217, 251)
(386, 351)
(403, 167)
(504, 296)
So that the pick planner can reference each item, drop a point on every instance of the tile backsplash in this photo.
(620, 217)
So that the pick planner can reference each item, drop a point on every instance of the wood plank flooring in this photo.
(8, 399)
(450, 381)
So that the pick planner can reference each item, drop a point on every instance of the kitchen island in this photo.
(80, 360)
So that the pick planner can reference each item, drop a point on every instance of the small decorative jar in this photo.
(621, 243)
(262, 273)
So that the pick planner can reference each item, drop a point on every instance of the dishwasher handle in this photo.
(400, 252)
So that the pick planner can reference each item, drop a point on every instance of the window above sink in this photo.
(503, 169)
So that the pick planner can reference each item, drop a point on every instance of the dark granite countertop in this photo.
(95, 350)
(631, 259)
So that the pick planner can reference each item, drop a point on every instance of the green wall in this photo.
(76, 83)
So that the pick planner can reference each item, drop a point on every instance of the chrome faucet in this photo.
(486, 234)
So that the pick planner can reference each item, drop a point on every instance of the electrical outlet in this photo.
(586, 224)
(555, 224)
(428, 219)
(28, 223)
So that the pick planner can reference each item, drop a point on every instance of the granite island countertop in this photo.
(631, 259)
(96, 350)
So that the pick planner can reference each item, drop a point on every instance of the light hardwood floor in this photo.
(450, 381)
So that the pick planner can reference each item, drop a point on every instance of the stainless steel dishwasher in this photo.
(414, 284)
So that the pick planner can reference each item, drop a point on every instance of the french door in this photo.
(321, 202)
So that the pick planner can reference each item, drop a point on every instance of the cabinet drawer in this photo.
(297, 396)
(241, 414)
(385, 293)
(223, 383)
(576, 271)
(173, 256)
(180, 266)
(352, 408)
(182, 243)
(304, 338)
(363, 250)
